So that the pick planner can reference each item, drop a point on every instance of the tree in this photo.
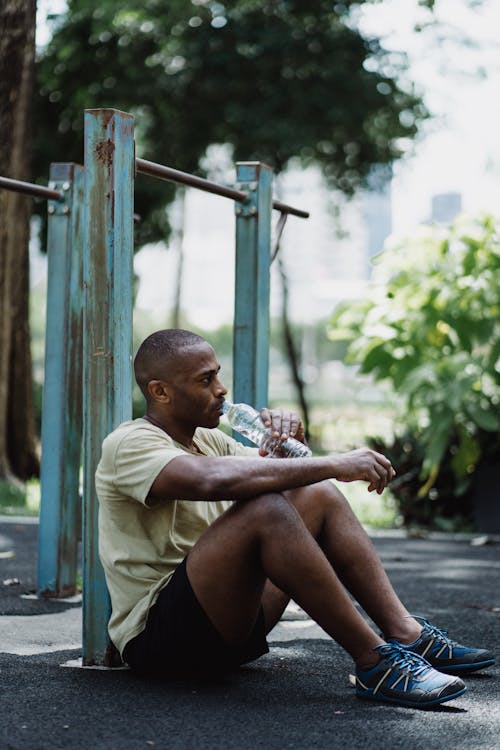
(273, 78)
(18, 455)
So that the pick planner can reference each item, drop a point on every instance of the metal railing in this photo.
(60, 514)
(92, 250)
(153, 169)
(30, 188)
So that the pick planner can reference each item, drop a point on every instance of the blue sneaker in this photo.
(406, 679)
(447, 655)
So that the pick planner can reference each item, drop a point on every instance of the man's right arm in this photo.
(240, 477)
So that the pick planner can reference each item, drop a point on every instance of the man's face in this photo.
(195, 389)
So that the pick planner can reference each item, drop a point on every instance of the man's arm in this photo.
(239, 478)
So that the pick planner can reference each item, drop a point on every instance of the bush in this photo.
(431, 329)
(445, 506)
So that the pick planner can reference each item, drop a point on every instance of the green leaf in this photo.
(467, 454)
(437, 439)
(487, 420)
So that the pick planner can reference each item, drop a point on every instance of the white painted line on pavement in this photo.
(25, 635)
(77, 664)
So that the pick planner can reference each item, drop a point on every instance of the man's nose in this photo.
(220, 387)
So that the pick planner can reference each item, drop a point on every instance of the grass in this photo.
(336, 428)
(20, 500)
(377, 511)
(344, 427)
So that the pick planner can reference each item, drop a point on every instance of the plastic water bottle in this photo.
(247, 421)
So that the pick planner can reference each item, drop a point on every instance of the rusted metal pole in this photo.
(107, 340)
(60, 513)
(29, 188)
(153, 169)
(252, 287)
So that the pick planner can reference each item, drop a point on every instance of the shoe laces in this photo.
(407, 661)
(428, 629)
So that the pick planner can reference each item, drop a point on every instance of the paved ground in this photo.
(297, 697)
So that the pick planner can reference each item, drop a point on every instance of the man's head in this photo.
(178, 373)
(159, 356)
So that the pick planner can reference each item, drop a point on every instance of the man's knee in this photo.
(317, 502)
(322, 494)
(270, 509)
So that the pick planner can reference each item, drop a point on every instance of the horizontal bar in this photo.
(285, 209)
(174, 175)
(154, 170)
(17, 186)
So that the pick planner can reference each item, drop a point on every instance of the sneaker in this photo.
(406, 679)
(447, 655)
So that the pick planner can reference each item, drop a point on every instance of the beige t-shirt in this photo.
(141, 545)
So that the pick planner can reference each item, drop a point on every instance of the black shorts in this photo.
(180, 639)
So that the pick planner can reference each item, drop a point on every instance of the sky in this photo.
(458, 150)
(454, 66)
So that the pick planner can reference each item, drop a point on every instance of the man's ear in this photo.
(158, 391)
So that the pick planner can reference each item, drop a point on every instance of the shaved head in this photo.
(159, 354)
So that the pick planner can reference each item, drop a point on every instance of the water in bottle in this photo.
(247, 421)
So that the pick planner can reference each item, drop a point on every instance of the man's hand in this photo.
(365, 464)
(283, 424)
(361, 464)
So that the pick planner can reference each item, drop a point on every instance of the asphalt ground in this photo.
(297, 696)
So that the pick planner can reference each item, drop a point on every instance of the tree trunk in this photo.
(18, 444)
(291, 349)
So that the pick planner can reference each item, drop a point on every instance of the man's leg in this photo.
(266, 538)
(351, 553)
(331, 521)
(261, 549)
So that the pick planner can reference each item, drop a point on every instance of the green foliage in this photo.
(375, 511)
(431, 328)
(274, 79)
(445, 506)
(11, 496)
(19, 499)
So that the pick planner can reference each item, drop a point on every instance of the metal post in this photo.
(60, 516)
(107, 339)
(251, 309)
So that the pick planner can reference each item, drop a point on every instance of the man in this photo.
(204, 542)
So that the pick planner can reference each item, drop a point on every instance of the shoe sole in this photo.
(411, 704)
(461, 668)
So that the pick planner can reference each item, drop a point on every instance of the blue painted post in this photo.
(107, 341)
(60, 515)
(251, 309)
